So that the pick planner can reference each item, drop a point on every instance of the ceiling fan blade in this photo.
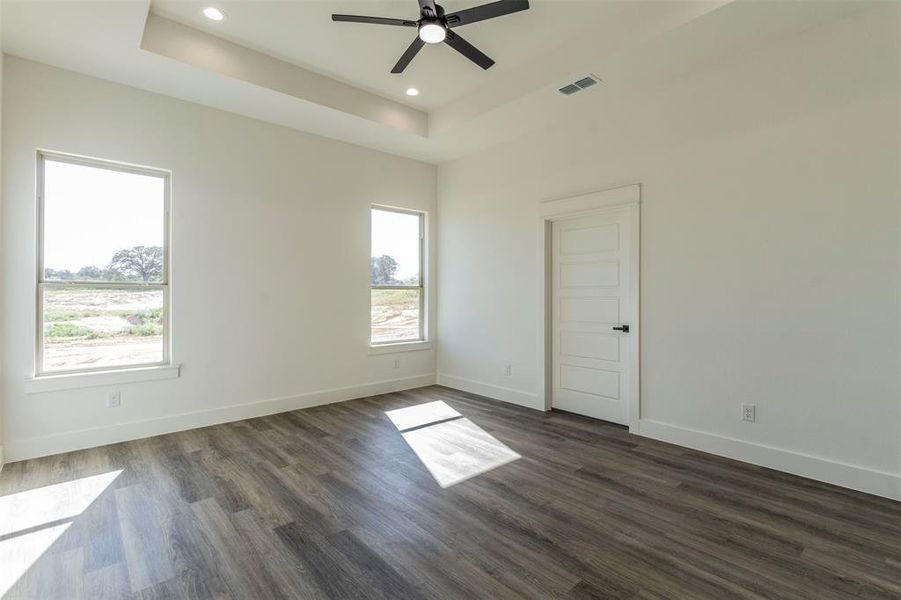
(486, 11)
(468, 50)
(407, 56)
(374, 20)
(428, 5)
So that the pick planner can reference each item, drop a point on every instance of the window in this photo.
(397, 297)
(103, 289)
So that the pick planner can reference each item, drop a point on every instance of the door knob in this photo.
(623, 328)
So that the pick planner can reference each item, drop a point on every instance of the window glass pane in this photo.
(395, 316)
(395, 248)
(102, 225)
(100, 327)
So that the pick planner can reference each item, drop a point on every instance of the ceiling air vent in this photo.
(577, 86)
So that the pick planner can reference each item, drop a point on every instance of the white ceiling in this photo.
(303, 33)
(330, 78)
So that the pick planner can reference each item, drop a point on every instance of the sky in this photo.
(91, 213)
(397, 235)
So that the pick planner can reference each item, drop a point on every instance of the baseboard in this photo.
(858, 478)
(879, 483)
(496, 392)
(2, 458)
(100, 436)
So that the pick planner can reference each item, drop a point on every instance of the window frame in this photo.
(42, 284)
(423, 337)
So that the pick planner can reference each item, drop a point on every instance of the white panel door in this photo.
(593, 306)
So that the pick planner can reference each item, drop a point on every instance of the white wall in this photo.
(771, 254)
(270, 263)
(2, 452)
(770, 265)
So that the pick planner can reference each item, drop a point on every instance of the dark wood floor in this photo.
(332, 502)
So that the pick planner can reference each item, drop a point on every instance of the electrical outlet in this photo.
(114, 400)
(508, 370)
(396, 363)
(749, 412)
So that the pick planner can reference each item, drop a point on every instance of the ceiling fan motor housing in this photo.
(426, 12)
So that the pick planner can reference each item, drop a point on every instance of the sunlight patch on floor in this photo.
(32, 520)
(451, 447)
(421, 414)
(19, 552)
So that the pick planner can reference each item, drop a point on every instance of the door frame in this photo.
(583, 205)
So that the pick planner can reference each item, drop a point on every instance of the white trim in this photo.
(40, 283)
(854, 477)
(71, 381)
(99, 436)
(424, 269)
(584, 204)
(497, 392)
(400, 347)
(571, 205)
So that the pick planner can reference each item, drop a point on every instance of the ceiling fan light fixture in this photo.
(432, 32)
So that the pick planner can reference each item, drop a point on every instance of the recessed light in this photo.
(213, 13)
(412, 92)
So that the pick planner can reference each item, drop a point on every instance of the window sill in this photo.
(400, 347)
(70, 381)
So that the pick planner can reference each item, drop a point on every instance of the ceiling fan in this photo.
(435, 27)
